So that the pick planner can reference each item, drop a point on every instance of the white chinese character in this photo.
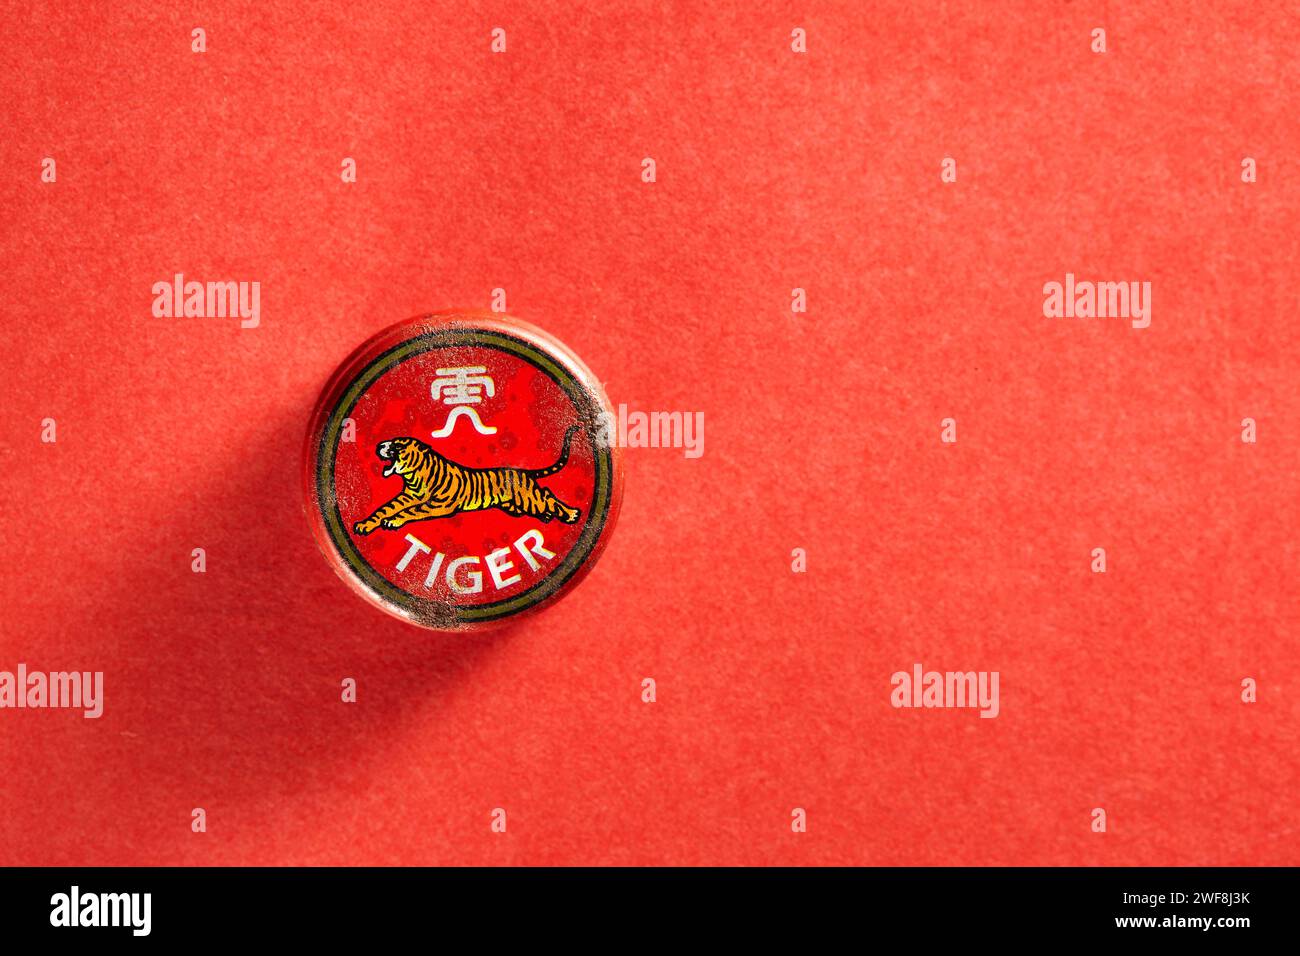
(460, 387)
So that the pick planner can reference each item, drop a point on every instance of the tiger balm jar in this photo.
(461, 469)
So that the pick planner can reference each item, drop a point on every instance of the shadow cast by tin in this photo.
(247, 658)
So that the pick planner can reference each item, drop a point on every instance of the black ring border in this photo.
(588, 406)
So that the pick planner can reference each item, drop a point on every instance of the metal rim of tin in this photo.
(409, 339)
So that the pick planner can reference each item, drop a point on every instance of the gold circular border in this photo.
(440, 612)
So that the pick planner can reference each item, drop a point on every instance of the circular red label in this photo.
(460, 471)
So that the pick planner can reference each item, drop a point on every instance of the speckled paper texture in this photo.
(774, 171)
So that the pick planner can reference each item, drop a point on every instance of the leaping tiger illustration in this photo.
(436, 487)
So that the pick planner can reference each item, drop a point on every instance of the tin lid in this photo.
(459, 469)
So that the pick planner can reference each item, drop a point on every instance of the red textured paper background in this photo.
(775, 171)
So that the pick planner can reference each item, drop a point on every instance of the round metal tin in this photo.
(460, 469)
